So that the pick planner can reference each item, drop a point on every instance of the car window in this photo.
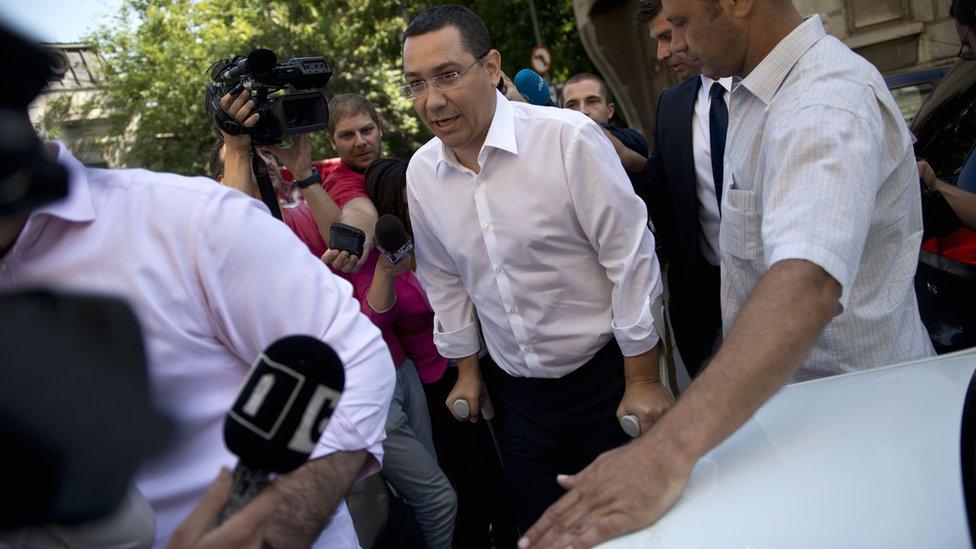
(950, 147)
(910, 99)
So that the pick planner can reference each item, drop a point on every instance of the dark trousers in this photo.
(547, 427)
(468, 457)
(696, 312)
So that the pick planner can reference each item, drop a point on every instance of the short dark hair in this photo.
(964, 11)
(215, 160)
(590, 76)
(474, 33)
(386, 180)
(350, 104)
(647, 10)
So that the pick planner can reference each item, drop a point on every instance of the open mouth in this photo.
(445, 123)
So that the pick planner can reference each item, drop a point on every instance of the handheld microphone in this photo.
(280, 413)
(392, 239)
(533, 88)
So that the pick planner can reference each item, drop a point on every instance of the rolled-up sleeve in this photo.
(614, 220)
(261, 284)
(820, 188)
(456, 332)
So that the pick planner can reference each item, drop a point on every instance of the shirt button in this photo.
(526, 348)
(512, 310)
(498, 269)
(487, 226)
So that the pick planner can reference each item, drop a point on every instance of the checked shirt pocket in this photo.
(741, 223)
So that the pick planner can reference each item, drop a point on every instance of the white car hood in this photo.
(870, 459)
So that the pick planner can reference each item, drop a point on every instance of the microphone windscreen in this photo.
(284, 404)
(261, 61)
(390, 233)
(532, 87)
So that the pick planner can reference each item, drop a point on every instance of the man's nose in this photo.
(435, 98)
(663, 51)
(678, 43)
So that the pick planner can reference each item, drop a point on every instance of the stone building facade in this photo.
(898, 36)
(64, 111)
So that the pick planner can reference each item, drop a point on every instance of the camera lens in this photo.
(292, 115)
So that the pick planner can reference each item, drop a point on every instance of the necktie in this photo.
(718, 125)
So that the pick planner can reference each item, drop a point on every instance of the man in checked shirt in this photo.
(821, 226)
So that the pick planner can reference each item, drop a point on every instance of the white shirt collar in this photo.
(501, 135)
(725, 82)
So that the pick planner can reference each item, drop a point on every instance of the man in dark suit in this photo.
(684, 178)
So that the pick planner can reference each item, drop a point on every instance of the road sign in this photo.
(541, 59)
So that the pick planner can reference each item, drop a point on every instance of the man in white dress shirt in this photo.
(214, 279)
(821, 227)
(526, 224)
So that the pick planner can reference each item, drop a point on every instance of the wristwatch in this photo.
(314, 179)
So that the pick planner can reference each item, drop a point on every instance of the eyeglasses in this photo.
(965, 50)
(446, 81)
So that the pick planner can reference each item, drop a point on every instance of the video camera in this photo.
(262, 75)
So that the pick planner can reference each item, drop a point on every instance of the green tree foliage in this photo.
(510, 26)
(157, 54)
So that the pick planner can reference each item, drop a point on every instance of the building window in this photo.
(862, 14)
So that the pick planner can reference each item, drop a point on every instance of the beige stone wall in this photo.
(896, 35)
(83, 128)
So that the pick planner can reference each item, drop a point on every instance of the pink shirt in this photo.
(300, 220)
(214, 279)
(408, 326)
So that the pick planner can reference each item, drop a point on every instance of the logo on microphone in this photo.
(259, 406)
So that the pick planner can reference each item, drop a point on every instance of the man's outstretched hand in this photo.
(622, 491)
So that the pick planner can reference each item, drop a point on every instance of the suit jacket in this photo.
(671, 193)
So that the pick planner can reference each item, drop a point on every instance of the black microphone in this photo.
(280, 413)
(533, 88)
(392, 239)
(259, 61)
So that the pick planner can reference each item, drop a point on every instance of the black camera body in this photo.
(263, 76)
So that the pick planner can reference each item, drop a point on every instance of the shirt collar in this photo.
(765, 80)
(501, 135)
(77, 206)
(725, 82)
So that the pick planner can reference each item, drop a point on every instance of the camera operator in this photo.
(230, 163)
(355, 134)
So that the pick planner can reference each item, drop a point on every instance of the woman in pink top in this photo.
(394, 299)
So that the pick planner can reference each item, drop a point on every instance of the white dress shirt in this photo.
(548, 246)
(822, 169)
(214, 279)
(708, 212)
